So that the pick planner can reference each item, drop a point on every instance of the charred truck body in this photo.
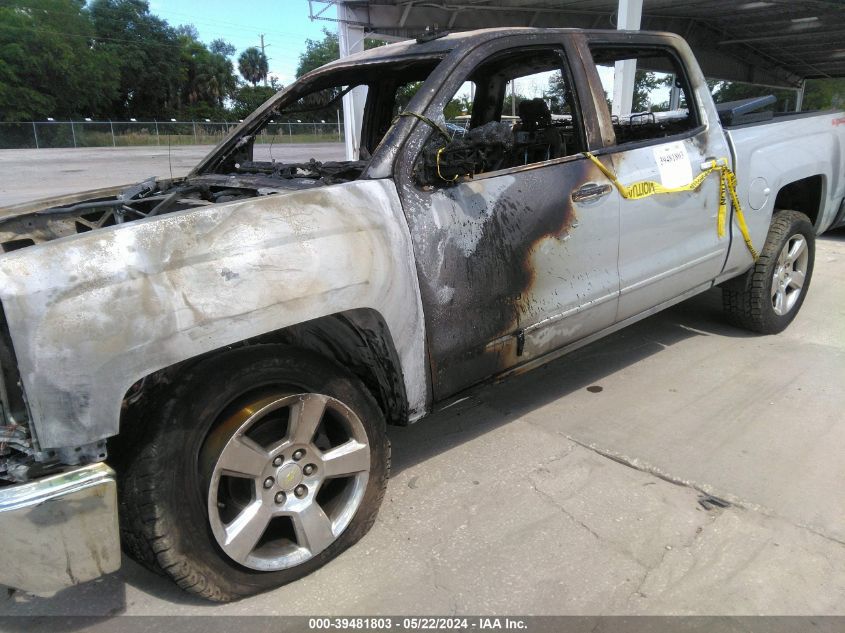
(233, 343)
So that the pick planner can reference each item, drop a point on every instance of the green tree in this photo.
(320, 52)
(819, 94)
(164, 71)
(645, 84)
(207, 80)
(456, 107)
(221, 47)
(143, 48)
(511, 103)
(405, 93)
(822, 94)
(51, 63)
(252, 64)
(246, 99)
(559, 94)
(107, 59)
(188, 31)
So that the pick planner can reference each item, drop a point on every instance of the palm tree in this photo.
(252, 64)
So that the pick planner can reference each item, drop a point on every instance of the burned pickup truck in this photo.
(202, 369)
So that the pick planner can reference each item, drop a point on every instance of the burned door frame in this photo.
(495, 254)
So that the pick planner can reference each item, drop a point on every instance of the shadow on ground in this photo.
(588, 367)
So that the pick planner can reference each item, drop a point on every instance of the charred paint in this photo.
(475, 244)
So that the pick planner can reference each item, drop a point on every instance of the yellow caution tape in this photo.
(727, 183)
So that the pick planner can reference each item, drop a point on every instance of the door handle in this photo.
(590, 192)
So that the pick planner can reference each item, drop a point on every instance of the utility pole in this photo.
(264, 56)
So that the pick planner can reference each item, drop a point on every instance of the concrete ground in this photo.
(680, 466)
(30, 174)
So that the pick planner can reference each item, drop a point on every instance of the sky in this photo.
(285, 25)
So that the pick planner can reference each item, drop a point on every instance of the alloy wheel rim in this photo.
(790, 274)
(286, 475)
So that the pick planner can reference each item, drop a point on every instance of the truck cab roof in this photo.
(466, 40)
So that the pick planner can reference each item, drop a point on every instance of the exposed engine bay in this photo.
(16, 453)
(152, 198)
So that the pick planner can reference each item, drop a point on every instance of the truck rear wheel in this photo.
(767, 298)
(259, 467)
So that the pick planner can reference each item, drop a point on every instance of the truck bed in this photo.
(768, 155)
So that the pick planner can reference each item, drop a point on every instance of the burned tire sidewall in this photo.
(190, 416)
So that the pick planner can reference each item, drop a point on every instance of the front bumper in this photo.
(60, 530)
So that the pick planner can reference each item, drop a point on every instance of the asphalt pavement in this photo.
(30, 174)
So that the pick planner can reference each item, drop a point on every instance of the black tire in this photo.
(163, 495)
(747, 300)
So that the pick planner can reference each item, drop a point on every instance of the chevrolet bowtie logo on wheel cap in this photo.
(289, 476)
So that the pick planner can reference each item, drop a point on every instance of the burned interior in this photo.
(658, 71)
(544, 128)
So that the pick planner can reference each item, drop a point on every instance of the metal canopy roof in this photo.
(772, 42)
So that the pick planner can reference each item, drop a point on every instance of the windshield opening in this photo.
(268, 153)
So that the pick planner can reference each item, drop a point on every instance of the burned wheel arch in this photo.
(358, 340)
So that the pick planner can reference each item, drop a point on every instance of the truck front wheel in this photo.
(767, 297)
(258, 467)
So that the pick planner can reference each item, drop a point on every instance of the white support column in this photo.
(628, 18)
(799, 97)
(351, 40)
(674, 95)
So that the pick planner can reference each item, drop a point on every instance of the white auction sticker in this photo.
(673, 164)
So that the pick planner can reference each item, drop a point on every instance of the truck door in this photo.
(668, 242)
(515, 231)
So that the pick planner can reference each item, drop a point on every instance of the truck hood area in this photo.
(232, 172)
(43, 221)
(136, 297)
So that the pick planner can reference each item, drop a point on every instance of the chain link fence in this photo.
(51, 134)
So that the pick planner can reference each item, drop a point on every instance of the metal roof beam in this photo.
(722, 35)
(781, 36)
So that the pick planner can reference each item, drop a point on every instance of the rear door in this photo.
(515, 232)
(668, 242)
